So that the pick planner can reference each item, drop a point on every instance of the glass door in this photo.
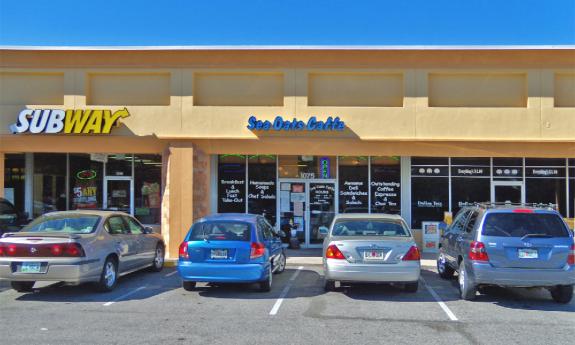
(292, 208)
(508, 192)
(118, 194)
(321, 210)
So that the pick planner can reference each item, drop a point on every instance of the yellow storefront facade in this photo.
(299, 134)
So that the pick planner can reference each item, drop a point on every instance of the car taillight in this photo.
(522, 210)
(571, 256)
(183, 252)
(67, 250)
(412, 254)
(477, 251)
(257, 250)
(11, 250)
(333, 252)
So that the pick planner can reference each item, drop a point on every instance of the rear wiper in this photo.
(536, 235)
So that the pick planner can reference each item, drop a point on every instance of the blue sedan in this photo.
(231, 248)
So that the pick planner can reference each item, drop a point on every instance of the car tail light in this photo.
(412, 254)
(11, 250)
(477, 251)
(183, 251)
(42, 250)
(258, 250)
(56, 250)
(571, 256)
(333, 252)
(73, 250)
(522, 210)
(1, 249)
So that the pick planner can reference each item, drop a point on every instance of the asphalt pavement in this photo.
(152, 308)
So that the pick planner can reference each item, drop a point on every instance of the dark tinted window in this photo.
(471, 222)
(221, 231)
(459, 221)
(369, 228)
(521, 224)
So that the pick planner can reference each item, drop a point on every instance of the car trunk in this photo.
(30, 245)
(222, 252)
(373, 249)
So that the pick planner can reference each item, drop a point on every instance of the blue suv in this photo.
(231, 248)
(509, 246)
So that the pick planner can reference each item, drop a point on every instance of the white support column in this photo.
(406, 189)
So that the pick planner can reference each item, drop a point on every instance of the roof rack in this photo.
(489, 204)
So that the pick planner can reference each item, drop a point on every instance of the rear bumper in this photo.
(222, 273)
(341, 270)
(487, 274)
(74, 271)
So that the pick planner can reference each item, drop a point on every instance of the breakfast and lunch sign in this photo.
(70, 121)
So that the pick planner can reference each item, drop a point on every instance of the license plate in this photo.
(219, 254)
(373, 255)
(528, 253)
(30, 267)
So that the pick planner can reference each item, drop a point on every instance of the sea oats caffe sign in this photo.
(71, 121)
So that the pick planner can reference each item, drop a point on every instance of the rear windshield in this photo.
(369, 228)
(521, 224)
(80, 224)
(221, 231)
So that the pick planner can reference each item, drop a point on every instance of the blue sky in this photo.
(287, 22)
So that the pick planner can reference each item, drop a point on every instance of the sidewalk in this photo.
(314, 257)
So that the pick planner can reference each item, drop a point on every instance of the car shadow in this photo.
(135, 286)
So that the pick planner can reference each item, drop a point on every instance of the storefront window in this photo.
(307, 167)
(86, 182)
(147, 188)
(508, 169)
(49, 183)
(14, 175)
(545, 182)
(262, 186)
(232, 184)
(386, 185)
(353, 184)
(429, 189)
(470, 182)
(119, 165)
(572, 188)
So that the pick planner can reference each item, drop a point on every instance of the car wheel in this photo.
(22, 286)
(109, 276)
(158, 263)
(281, 263)
(266, 285)
(467, 288)
(189, 286)
(411, 287)
(329, 285)
(445, 271)
(562, 293)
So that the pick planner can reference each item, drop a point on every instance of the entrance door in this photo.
(508, 192)
(118, 194)
(307, 207)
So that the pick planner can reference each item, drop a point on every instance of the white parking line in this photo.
(171, 274)
(107, 304)
(285, 291)
(443, 306)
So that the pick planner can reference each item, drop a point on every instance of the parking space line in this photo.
(443, 306)
(285, 291)
(107, 304)
(171, 274)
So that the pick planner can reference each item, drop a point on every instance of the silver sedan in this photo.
(78, 247)
(377, 248)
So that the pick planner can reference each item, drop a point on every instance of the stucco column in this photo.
(2, 157)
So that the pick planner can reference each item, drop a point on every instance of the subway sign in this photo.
(71, 121)
(312, 124)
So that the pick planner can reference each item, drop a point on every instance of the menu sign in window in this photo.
(321, 196)
(231, 188)
(353, 195)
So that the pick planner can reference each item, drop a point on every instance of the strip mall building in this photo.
(297, 134)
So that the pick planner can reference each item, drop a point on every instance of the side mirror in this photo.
(323, 230)
(148, 230)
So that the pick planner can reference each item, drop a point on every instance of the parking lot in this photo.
(149, 308)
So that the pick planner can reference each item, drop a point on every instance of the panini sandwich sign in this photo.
(70, 121)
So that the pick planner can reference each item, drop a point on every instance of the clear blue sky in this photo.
(287, 22)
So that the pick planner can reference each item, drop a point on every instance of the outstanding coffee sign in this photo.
(71, 121)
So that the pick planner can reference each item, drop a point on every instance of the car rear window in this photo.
(221, 231)
(73, 224)
(369, 228)
(521, 224)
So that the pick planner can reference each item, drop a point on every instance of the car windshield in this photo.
(81, 224)
(521, 224)
(348, 227)
(221, 231)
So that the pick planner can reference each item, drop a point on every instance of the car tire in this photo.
(443, 269)
(109, 275)
(411, 287)
(562, 293)
(22, 286)
(281, 263)
(467, 288)
(266, 285)
(158, 263)
(189, 286)
(329, 285)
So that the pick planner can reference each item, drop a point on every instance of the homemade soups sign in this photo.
(71, 121)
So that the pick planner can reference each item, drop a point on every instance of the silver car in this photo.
(79, 247)
(377, 248)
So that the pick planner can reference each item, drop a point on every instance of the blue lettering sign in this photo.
(313, 124)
